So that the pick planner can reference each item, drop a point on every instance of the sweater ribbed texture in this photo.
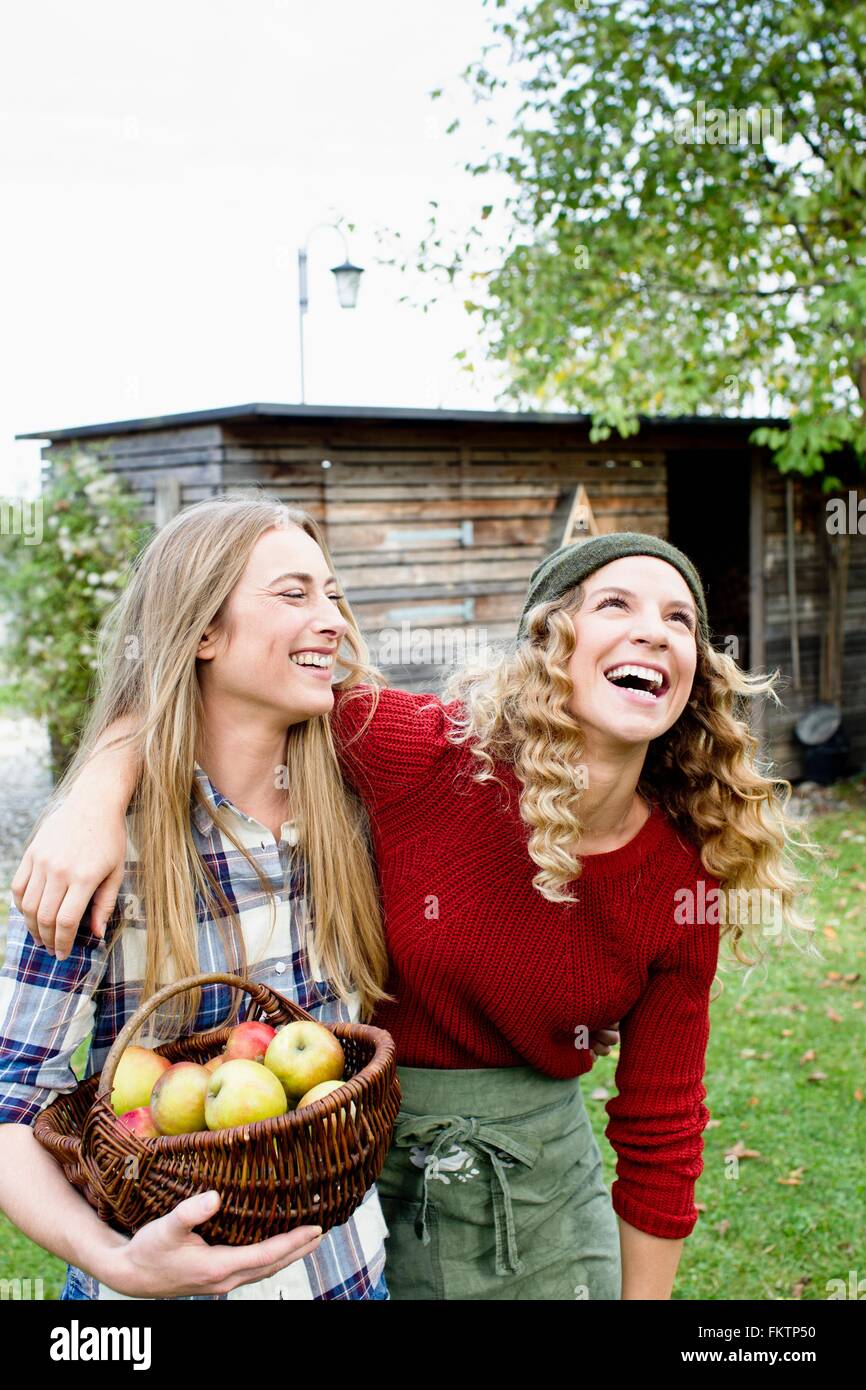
(488, 973)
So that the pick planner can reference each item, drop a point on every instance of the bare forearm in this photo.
(649, 1264)
(37, 1198)
(113, 772)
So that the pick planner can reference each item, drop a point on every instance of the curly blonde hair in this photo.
(704, 771)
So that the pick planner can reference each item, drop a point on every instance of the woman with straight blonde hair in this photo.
(244, 852)
(564, 839)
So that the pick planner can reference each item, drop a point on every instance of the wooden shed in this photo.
(436, 518)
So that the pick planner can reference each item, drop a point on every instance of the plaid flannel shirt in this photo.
(48, 1007)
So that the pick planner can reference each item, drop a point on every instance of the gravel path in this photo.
(25, 784)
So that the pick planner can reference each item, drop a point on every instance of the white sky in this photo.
(161, 163)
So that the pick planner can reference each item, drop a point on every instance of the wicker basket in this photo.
(309, 1167)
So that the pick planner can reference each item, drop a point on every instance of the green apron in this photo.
(493, 1188)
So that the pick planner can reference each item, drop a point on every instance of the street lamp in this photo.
(347, 276)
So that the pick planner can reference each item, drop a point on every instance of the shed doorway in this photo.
(708, 519)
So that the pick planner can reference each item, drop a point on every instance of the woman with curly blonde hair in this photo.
(559, 841)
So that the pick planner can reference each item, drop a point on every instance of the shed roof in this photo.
(258, 410)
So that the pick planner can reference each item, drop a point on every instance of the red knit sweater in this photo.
(488, 973)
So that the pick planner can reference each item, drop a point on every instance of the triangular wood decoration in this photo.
(581, 523)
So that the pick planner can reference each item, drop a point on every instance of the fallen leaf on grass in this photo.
(600, 1093)
(808, 1056)
(793, 1178)
(739, 1150)
(817, 1076)
(833, 1016)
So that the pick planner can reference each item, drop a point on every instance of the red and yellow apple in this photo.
(249, 1040)
(214, 1062)
(140, 1121)
(137, 1073)
(241, 1092)
(302, 1054)
(178, 1099)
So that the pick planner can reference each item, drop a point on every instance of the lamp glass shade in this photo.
(348, 279)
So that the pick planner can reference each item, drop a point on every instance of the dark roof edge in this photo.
(265, 411)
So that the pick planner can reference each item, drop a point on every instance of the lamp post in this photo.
(347, 275)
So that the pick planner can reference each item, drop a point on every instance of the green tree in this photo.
(663, 259)
(55, 591)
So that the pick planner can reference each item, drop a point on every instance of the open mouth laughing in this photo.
(638, 681)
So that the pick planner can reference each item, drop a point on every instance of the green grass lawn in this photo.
(761, 1236)
(19, 1257)
(791, 1218)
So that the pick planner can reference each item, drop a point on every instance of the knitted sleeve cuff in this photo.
(655, 1223)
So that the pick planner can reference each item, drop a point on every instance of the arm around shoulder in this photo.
(388, 741)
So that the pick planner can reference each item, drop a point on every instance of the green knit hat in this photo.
(571, 564)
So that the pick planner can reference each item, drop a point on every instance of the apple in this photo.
(178, 1099)
(304, 1053)
(214, 1062)
(241, 1092)
(319, 1092)
(140, 1121)
(137, 1072)
(249, 1040)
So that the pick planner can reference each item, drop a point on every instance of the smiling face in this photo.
(636, 623)
(274, 645)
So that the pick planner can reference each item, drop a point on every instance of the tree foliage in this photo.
(56, 591)
(658, 258)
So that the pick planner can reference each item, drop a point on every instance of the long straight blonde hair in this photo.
(179, 584)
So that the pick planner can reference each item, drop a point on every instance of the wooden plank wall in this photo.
(192, 456)
(809, 517)
(441, 531)
(439, 525)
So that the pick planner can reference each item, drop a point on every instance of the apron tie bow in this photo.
(498, 1143)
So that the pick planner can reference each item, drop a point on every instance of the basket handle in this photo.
(261, 994)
